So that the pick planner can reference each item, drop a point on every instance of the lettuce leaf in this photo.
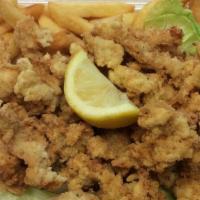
(30, 194)
(169, 13)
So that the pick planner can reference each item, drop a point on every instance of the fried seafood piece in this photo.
(155, 114)
(65, 140)
(105, 52)
(146, 52)
(188, 185)
(29, 144)
(11, 169)
(5, 58)
(140, 187)
(37, 85)
(190, 83)
(191, 109)
(89, 174)
(135, 82)
(163, 127)
(143, 87)
(58, 65)
(30, 38)
(25, 139)
(187, 189)
(164, 39)
(66, 112)
(11, 47)
(8, 79)
(154, 48)
(8, 49)
(76, 195)
(108, 144)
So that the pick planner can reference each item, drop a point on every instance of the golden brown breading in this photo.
(175, 134)
(155, 114)
(34, 154)
(44, 144)
(11, 47)
(5, 57)
(26, 141)
(105, 52)
(65, 140)
(187, 189)
(133, 81)
(58, 65)
(32, 86)
(83, 172)
(144, 47)
(30, 38)
(108, 145)
(8, 79)
(11, 169)
(66, 112)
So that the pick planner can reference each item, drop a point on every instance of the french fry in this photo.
(94, 10)
(5, 28)
(62, 40)
(14, 2)
(10, 13)
(195, 7)
(68, 21)
(46, 10)
(105, 20)
(35, 10)
(46, 22)
(128, 18)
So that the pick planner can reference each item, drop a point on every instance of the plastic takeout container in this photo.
(137, 3)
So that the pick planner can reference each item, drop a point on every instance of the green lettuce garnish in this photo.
(30, 194)
(169, 13)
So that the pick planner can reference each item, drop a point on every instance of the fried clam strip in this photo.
(36, 84)
(105, 52)
(25, 141)
(30, 38)
(8, 49)
(90, 174)
(11, 168)
(68, 147)
(153, 53)
(47, 152)
(145, 46)
(162, 127)
(187, 184)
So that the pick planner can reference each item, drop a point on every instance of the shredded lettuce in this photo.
(168, 13)
(30, 194)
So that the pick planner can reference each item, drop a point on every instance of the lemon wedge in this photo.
(94, 98)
